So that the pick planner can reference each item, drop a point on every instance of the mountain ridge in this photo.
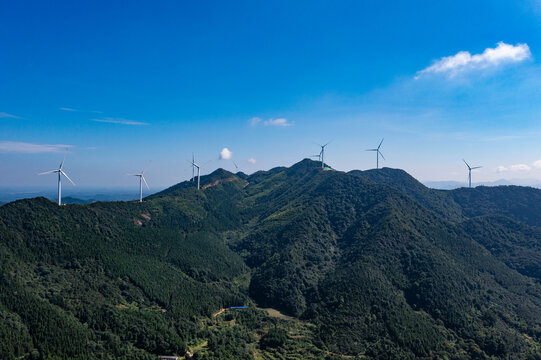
(380, 266)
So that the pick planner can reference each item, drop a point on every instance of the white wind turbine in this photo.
(141, 180)
(378, 153)
(322, 154)
(198, 167)
(469, 171)
(60, 173)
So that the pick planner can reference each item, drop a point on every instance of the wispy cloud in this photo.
(30, 148)
(271, 122)
(6, 115)
(68, 109)
(521, 167)
(254, 121)
(226, 154)
(277, 122)
(516, 167)
(537, 164)
(252, 160)
(464, 61)
(121, 121)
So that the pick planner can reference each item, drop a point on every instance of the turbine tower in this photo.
(322, 154)
(193, 168)
(469, 171)
(60, 173)
(141, 180)
(378, 153)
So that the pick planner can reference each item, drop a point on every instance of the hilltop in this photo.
(366, 263)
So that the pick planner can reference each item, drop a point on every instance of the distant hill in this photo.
(366, 264)
(72, 200)
(451, 185)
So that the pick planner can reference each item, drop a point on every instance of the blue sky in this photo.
(125, 82)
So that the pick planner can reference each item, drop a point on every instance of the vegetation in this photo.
(363, 265)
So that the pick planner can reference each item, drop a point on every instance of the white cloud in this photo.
(252, 160)
(501, 168)
(537, 164)
(68, 109)
(226, 154)
(6, 115)
(520, 167)
(29, 148)
(277, 122)
(490, 58)
(120, 121)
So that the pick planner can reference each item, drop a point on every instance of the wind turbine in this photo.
(60, 173)
(378, 153)
(141, 179)
(198, 167)
(322, 154)
(194, 166)
(469, 171)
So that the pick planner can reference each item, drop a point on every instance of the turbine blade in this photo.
(477, 167)
(236, 166)
(67, 177)
(132, 174)
(146, 167)
(371, 150)
(466, 164)
(380, 143)
(142, 177)
(63, 159)
(48, 172)
(381, 155)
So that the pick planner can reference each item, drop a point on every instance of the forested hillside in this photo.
(366, 264)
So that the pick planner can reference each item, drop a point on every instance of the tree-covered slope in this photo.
(516, 244)
(517, 202)
(116, 278)
(369, 264)
(343, 247)
(435, 200)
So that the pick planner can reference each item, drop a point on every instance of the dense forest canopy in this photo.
(366, 264)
